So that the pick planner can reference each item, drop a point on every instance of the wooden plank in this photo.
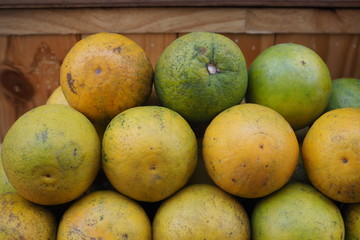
(343, 56)
(176, 3)
(132, 20)
(252, 44)
(178, 20)
(153, 44)
(284, 20)
(29, 72)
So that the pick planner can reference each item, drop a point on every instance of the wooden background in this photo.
(34, 41)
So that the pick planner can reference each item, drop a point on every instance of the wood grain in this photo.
(293, 20)
(176, 3)
(178, 20)
(29, 72)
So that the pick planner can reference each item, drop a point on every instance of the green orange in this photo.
(291, 79)
(345, 92)
(201, 74)
(297, 211)
(51, 154)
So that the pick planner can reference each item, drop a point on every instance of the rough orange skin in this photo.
(331, 154)
(201, 74)
(250, 150)
(200, 212)
(105, 74)
(51, 154)
(291, 79)
(351, 213)
(104, 215)
(149, 152)
(21, 219)
(5, 185)
(297, 212)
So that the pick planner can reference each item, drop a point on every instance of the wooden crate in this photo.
(36, 35)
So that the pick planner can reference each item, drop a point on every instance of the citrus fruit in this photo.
(331, 154)
(104, 215)
(345, 92)
(352, 221)
(149, 152)
(57, 97)
(200, 212)
(291, 79)
(105, 74)
(250, 150)
(22, 219)
(200, 174)
(51, 154)
(5, 185)
(300, 172)
(297, 211)
(201, 74)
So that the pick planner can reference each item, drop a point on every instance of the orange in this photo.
(250, 150)
(104, 215)
(345, 92)
(5, 185)
(201, 74)
(331, 154)
(51, 154)
(297, 212)
(200, 212)
(105, 74)
(149, 152)
(351, 214)
(57, 97)
(291, 79)
(21, 219)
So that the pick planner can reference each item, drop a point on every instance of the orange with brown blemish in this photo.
(250, 150)
(105, 74)
(331, 154)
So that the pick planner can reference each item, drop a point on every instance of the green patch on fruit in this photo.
(345, 93)
(201, 74)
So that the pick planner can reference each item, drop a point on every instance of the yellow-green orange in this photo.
(201, 74)
(104, 215)
(5, 185)
(291, 79)
(51, 154)
(149, 152)
(352, 221)
(331, 154)
(201, 212)
(250, 150)
(345, 92)
(21, 219)
(297, 211)
(57, 97)
(105, 74)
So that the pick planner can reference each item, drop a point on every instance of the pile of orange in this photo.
(216, 159)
